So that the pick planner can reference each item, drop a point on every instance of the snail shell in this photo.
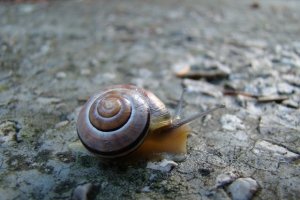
(122, 119)
(117, 119)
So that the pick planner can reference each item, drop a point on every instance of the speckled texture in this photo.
(54, 55)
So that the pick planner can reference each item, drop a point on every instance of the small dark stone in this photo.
(204, 171)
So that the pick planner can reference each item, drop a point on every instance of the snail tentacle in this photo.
(177, 115)
(181, 122)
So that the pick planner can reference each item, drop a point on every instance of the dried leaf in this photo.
(271, 98)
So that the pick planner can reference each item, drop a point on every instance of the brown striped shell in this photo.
(116, 120)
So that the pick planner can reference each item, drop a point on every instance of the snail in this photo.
(124, 120)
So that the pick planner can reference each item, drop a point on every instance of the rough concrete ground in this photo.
(54, 55)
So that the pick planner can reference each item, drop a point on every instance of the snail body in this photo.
(123, 120)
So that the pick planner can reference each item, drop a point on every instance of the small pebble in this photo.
(292, 79)
(109, 75)
(85, 72)
(61, 75)
(46, 100)
(61, 106)
(8, 131)
(163, 166)
(164, 182)
(146, 189)
(285, 88)
(61, 124)
(231, 123)
(268, 91)
(222, 179)
(27, 8)
(94, 62)
(84, 192)
(241, 135)
(291, 103)
(152, 176)
(226, 178)
(243, 188)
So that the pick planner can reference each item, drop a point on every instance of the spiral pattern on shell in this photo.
(114, 121)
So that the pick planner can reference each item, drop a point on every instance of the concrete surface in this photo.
(54, 55)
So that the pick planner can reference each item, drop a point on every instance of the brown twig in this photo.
(259, 98)
(235, 93)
